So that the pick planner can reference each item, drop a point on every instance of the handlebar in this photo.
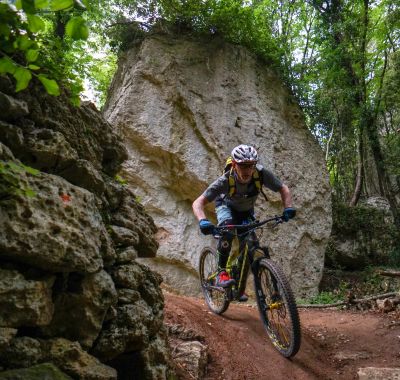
(248, 227)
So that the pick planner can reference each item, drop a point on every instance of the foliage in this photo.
(10, 179)
(35, 36)
(120, 180)
(328, 296)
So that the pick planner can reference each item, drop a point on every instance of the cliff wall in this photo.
(182, 105)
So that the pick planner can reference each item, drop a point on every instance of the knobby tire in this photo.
(277, 307)
(216, 300)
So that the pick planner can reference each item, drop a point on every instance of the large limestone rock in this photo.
(70, 233)
(182, 105)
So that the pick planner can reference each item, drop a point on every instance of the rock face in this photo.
(182, 105)
(73, 299)
(363, 235)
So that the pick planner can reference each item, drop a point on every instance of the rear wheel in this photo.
(277, 307)
(216, 298)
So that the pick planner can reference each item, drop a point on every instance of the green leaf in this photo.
(41, 4)
(59, 5)
(75, 100)
(33, 67)
(35, 23)
(4, 30)
(77, 29)
(18, 4)
(28, 6)
(23, 77)
(24, 42)
(32, 55)
(7, 65)
(50, 85)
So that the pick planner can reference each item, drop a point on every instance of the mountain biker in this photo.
(237, 207)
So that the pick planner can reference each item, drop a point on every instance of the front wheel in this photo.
(216, 298)
(277, 307)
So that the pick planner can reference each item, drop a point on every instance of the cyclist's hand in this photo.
(289, 213)
(206, 227)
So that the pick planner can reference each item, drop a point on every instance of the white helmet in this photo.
(244, 153)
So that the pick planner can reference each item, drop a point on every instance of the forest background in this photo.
(339, 58)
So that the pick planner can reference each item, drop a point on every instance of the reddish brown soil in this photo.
(335, 344)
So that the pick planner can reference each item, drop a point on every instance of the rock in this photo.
(350, 355)
(377, 202)
(83, 128)
(86, 302)
(130, 331)
(82, 173)
(5, 153)
(137, 320)
(193, 357)
(45, 371)
(130, 215)
(386, 305)
(25, 302)
(12, 136)
(126, 255)
(22, 352)
(126, 296)
(11, 108)
(34, 229)
(49, 151)
(74, 361)
(6, 335)
(182, 105)
(372, 373)
(151, 363)
(124, 237)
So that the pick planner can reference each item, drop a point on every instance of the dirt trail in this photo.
(334, 343)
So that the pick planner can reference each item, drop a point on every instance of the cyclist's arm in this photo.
(198, 207)
(218, 187)
(286, 196)
(272, 182)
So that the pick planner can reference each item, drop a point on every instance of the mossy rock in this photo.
(362, 236)
(45, 371)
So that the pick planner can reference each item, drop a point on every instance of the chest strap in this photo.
(256, 180)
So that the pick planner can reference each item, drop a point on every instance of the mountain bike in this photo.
(275, 300)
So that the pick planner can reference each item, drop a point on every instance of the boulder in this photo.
(51, 224)
(25, 302)
(47, 371)
(86, 302)
(182, 105)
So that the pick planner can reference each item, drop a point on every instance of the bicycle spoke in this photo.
(279, 315)
(215, 297)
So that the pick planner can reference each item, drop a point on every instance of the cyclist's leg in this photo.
(244, 218)
(224, 216)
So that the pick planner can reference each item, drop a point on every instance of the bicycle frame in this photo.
(274, 297)
(242, 257)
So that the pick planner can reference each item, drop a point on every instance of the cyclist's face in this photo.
(245, 171)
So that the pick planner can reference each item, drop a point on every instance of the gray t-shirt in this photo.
(243, 198)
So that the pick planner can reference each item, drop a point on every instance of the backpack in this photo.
(257, 176)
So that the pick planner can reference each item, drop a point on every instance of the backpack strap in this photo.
(232, 183)
(257, 182)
